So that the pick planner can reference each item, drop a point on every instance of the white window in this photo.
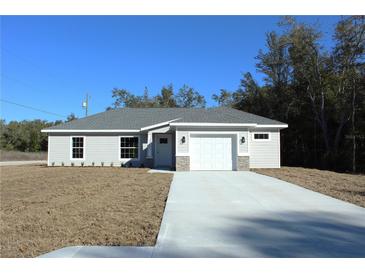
(77, 148)
(129, 147)
(261, 136)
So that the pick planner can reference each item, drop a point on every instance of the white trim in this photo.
(182, 154)
(233, 133)
(90, 130)
(158, 125)
(84, 149)
(279, 146)
(48, 147)
(171, 124)
(272, 126)
(138, 146)
(249, 143)
(213, 132)
(215, 124)
(176, 143)
(261, 140)
(228, 125)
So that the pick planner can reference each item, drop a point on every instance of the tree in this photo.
(328, 78)
(316, 91)
(251, 97)
(25, 135)
(166, 98)
(71, 117)
(348, 63)
(187, 97)
(224, 99)
(123, 98)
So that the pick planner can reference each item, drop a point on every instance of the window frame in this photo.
(261, 140)
(83, 147)
(138, 147)
(159, 140)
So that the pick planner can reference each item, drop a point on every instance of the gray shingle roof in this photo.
(137, 118)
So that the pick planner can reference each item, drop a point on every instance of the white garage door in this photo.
(211, 153)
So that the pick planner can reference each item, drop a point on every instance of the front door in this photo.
(163, 150)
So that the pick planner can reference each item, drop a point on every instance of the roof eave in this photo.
(88, 130)
(231, 125)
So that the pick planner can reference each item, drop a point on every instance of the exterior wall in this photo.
(98, 148)
(105, 148)
(182, 163)
(182, 147)
(59, 150)
(265, 153)
(243, 147)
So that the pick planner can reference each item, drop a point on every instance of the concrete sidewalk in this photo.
(244, 214)
(20, 163)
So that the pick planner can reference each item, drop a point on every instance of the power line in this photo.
(22, 83)
(33, 108)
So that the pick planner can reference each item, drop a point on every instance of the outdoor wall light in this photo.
(183, 140)
(243, 140)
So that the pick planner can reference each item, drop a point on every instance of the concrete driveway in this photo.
(244, 214)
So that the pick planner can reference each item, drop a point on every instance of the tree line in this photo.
(26, 135)
(319, 92)
(186, 97)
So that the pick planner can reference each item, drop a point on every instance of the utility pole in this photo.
(85, 104)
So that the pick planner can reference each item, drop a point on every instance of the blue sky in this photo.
(50, 63)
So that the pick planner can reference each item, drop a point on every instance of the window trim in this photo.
(261, 140)
(138, 146)
(84, 148)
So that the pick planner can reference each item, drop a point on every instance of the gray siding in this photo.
(182, 148)
(58, 150)
(105, 148)
(97, 148)
(243, 148)
(265, 154)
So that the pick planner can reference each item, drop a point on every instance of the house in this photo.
(181, 138)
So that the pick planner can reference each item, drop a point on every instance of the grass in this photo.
(343, 186)
(46, 208)
(12, 155)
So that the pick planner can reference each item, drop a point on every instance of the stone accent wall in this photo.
(243, 163)
(182, 163)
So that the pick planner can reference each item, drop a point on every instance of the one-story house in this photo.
(177, 138)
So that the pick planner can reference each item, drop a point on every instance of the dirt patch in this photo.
(10, 155)
(343, 186)
(46, 208)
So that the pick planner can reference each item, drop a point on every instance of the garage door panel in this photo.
(211, 153)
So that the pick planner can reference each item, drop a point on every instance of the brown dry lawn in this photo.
(12, 155)
(343, 186)
(46, 208)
